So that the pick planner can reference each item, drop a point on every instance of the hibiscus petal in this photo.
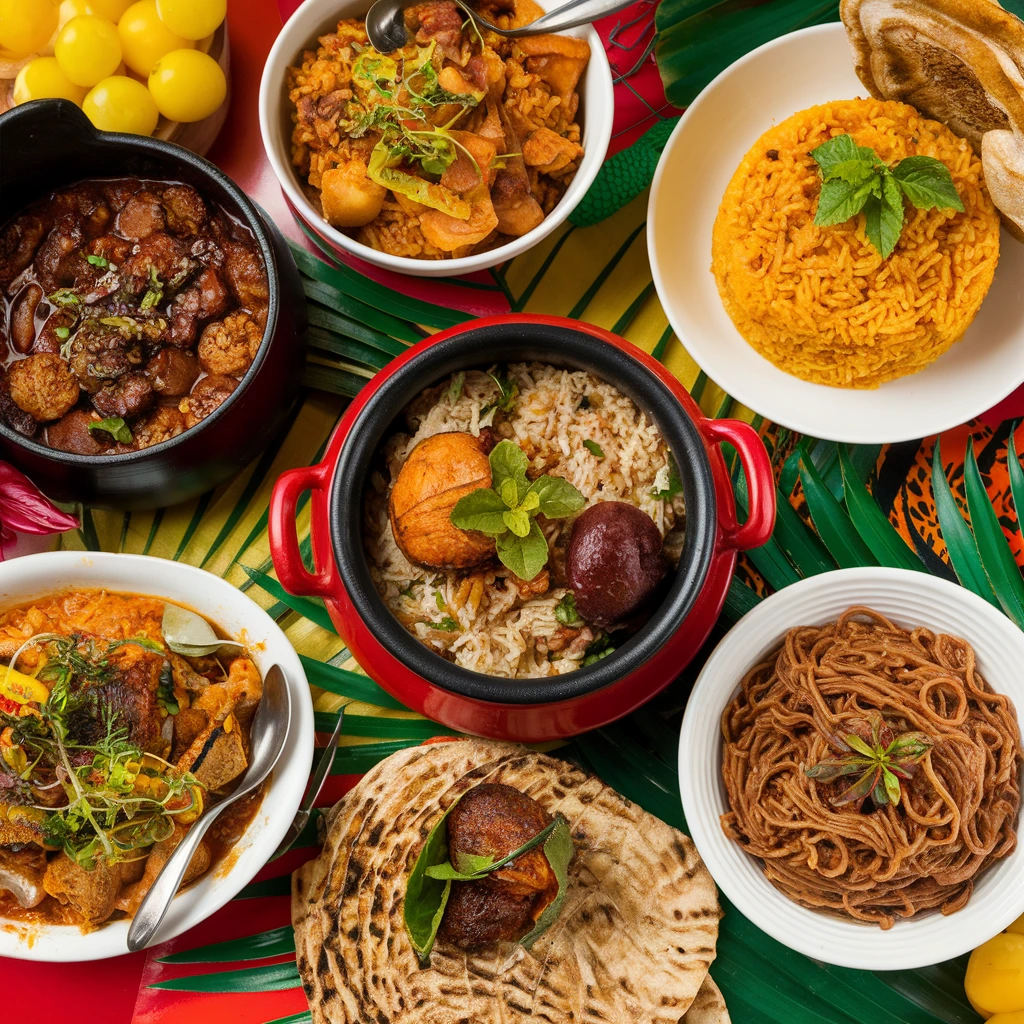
(25, 509)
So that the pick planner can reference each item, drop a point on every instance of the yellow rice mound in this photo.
(820, 302)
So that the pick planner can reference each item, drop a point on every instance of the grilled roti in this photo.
(633, 941)
(709, 1006)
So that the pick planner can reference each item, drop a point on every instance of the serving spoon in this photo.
(267, 738)
(189, 634)
(385, 20)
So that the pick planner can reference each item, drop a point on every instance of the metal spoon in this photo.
(270, 727)
(385, 21)
(189, 634)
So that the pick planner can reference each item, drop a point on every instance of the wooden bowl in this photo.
(197, 136)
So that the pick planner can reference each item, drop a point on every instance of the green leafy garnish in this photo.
(855, 179)
(594, 448)
(155, 291)
(598, 649)
(64, 297)
(98, 261)
(116, 427)
(62, 333)
(454, 390)
(565, 611)
(430, 882)
(439, 600)
(383, 168)
(409, 589)
(666, 481)
(879, 758)
(507, 509)
(446, 625)
(508, 392)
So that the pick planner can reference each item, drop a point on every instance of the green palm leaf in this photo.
(275, 942)
(280, 886)
(871, 523)
(309, 608)
(739, 600)
(960, 543)
(831, 521)
(348, 684)
(385, 728)
(802, 545)
(358, 760)
(293, 1018)
(996, 557)
(270, 978)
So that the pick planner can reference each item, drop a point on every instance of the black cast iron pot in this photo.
(48, 144)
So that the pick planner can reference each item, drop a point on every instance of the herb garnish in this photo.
(64, 297)
(506, 509)
(446, 625)
(155, 291)
(62, 333)
(666, 481)
(430, 882)
(594, 448)
(508, 392)
(598, 649)
(454, 391)
(116, 427)
(98, 261)
(879, 758)
(855, 179)
(565, 611)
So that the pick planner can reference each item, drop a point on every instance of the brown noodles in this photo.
(956, 815)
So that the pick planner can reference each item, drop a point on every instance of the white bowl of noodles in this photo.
(315, 18)
(908, 599)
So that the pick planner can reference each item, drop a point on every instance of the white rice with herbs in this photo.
(570, 424)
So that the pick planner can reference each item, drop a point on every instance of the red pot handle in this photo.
(284, 540)
(757, 468)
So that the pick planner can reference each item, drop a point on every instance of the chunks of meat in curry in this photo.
(450, 146)
(116, 299)
(495, 820)
(136, 721)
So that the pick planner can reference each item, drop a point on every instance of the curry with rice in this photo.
(454, 144)
(111, 745)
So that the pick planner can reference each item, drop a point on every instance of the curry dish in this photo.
(129, 310)
(453, 145)
(111, 745)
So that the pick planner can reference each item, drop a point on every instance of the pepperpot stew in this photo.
(129, 310)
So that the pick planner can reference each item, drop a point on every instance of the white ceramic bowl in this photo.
(33, 576)
(909, 599)
(767, 86)
(313, 19)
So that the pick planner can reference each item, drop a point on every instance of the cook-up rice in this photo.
(494, 622)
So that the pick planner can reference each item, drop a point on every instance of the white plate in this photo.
(909, 599)
(21, 580)
(767, 86)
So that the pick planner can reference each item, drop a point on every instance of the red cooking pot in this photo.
(526, 710)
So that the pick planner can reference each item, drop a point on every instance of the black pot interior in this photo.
(48, 144)
(481, 348)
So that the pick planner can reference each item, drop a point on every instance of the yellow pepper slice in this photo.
(20, 688)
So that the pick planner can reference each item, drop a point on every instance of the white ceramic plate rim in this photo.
(53, 571)
(924, 403)
(925, 939)
(597, 134)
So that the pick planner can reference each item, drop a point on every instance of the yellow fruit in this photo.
(72, 9)
(26, 25)
(42, 79)
(145, 38)
(187, 85)
(995, 975)
(1015, 1017)
(88, 49)
(120, 104)
(22, 689)
(192, 19)
(112, 9)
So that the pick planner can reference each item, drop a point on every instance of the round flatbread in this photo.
(633, 941)
(709, 1006)
(960, 62)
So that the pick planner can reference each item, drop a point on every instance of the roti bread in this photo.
(633, 941)
(709, 1006)
(960, 62)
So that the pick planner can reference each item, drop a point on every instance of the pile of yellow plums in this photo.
(124, 62)
(995, 976)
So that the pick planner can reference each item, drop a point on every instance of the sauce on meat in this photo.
(88, 683)
(129, 311)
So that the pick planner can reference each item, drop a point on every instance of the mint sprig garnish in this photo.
(507, 509)
(854, 179)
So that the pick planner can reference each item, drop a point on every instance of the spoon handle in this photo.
(155, 903)
(572, 14)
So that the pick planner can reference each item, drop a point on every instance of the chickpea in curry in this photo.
(129, 310)
(111, 745)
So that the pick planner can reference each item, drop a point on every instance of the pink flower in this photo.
(25, 509)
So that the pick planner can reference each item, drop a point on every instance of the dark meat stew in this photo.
(129, 310)
(111, 745)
